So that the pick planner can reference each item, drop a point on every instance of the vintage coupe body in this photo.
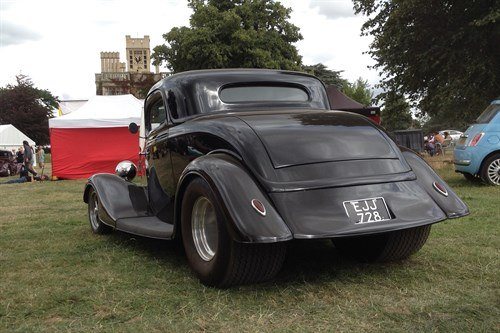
(240, 162)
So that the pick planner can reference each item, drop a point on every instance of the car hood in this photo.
(307, 137)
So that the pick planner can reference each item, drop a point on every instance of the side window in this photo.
(156, 115)
(172, 104)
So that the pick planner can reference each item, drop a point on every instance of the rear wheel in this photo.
(391, 246)
(490, 172)
(93, 211)
(216, 259)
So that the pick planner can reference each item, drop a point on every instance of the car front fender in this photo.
(235, 188)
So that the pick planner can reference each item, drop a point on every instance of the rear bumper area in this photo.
(320, 213)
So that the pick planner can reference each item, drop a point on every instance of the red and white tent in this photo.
(95, 137)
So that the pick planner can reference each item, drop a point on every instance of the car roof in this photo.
(249, 74)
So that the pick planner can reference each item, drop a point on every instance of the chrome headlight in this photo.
(126, 170)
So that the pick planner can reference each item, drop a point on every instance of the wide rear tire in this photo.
(391, 246)
(215, 258)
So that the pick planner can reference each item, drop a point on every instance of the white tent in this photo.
(102, 111)
(12, 138)
(70, 106)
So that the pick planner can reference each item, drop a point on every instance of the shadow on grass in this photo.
(307, 261)
(166, 251)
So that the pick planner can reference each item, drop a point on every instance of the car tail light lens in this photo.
(440, 188)
(375, 118)
(476, 139)
(259, 207)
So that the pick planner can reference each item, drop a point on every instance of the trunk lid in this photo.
(309, 137)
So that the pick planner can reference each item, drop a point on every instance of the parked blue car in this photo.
(478, 150)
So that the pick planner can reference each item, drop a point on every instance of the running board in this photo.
(146, 226)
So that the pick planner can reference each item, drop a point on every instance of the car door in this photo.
(159, 167)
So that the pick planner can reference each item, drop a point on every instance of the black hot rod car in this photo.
(239, 162)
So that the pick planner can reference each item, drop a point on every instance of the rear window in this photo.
(488, 114)
(4, 154)
(248, 94)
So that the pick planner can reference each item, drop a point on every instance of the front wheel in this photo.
(490, 172)
(215, 258)
(93, 211)
(391, 246)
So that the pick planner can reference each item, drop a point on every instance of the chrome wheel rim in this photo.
(94, 211)
(204, 228)
(494, 171)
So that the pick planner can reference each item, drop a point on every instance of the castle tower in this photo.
(110, 63)
(138, 54)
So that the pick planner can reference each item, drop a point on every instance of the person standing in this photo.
(20, 155)
(40, 156)
(29, 159)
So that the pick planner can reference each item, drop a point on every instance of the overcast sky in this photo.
(57, 43)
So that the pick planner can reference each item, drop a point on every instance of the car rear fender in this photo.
(450, 203)
(235, 188)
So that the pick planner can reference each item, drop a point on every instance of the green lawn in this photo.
(56, 275)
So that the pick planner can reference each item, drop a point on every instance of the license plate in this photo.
(367, 210)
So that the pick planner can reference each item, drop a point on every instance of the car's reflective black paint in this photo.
(300, 159)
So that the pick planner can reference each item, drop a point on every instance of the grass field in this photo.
(55, 275)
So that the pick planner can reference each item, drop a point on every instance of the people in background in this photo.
(20, 155)
(430, 144)
(29, 158)
(24, 177)
(438, 138)
(40, 157)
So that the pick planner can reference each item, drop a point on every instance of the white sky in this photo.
(58, 43)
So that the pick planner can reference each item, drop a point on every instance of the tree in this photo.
(443, 55)
(232, 34)
(326, 75)
(396, 113)
(138, 84)
(359, 91)
(27, 108)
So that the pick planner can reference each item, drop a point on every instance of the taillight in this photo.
(475, 139)
(375, 118)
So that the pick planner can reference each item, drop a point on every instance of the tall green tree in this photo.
(359, 91)
(27, 108)
(232, 34)
(443, 55)
(396, 113)
(326, 75)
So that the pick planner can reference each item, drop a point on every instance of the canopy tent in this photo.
(69, 106)
(339, 101)
(95, 137)
(12, 138)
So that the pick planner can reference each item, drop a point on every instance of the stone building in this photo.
(133, 76)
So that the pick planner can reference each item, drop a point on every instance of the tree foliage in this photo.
(138, 84)
(443, 55)
(396, 113)
(232, 34)
(27, 108)
(326, 75)
(359, 91)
